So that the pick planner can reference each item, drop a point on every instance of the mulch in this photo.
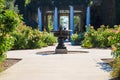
(8, 63)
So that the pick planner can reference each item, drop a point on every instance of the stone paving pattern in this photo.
(75, 66)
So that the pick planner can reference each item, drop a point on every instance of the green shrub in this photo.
(21, 36)
(115, 41)
(43, 44)
(50, 39)
(116, 50)
(98, 38)
(50, 28)
(90, 38)
(77, 38)
(36, 40)
(40, 39)
(10, 4)
(102, 37)
(74, 37)
(2, 6)
(6, 43)
(9, 20)
(116, 37)
(28, 38)
(20, 41)
(116, 68)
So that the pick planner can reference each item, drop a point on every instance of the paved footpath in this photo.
(74, 66)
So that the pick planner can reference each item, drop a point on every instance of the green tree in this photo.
(10, 4)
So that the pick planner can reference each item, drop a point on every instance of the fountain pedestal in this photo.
(61, 49)
(62, 35)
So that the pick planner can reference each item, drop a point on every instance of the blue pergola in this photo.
(55, 5)
(56, 15)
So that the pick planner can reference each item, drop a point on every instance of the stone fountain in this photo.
(62, 34)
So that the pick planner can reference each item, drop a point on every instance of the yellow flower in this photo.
(91, 27)
(114, 48)
(110, 37)
(118, 31)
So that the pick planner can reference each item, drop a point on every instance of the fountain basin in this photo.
(54, 53)
(62, 33)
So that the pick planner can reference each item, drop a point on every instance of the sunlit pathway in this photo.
(77, 66)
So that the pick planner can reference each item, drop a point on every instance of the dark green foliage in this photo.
(10, 4)
(20, 41)
(77, 38)
(27, 2)
(76, 24)
(116, 68)
(1, 5)
(8, 21)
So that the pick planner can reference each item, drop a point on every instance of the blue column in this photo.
(71, 20)
(40, 19)
(56, 18)
(88, 18)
